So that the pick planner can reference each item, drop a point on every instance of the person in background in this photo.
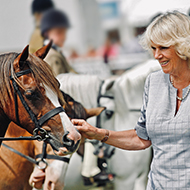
(165, 115)
(112, 46)
(38, 7)
(133, 46)
(54, 26)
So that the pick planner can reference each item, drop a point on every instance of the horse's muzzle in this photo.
(70, 144)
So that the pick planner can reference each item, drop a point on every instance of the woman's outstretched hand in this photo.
(87, 130)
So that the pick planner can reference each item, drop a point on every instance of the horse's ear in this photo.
(94, 111)
(42, 52)
(20, 60)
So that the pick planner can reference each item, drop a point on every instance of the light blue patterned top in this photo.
(169, 133)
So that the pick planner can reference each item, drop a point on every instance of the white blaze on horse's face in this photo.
(55, 175)
(66, 123)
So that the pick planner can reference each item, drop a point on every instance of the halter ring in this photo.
(42, 164)
(41, 134)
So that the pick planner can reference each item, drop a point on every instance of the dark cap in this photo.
(41, 5)
(53, 18)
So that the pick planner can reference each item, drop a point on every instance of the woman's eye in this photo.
(164, 47)
(153, 48)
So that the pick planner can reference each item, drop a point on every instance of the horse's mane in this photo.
(40, 70)
(5, 65)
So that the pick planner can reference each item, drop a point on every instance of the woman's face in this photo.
(170, 62)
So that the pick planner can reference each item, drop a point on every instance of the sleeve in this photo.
(141, 123)
(56, 64)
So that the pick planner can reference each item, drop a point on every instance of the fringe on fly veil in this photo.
(83, 88)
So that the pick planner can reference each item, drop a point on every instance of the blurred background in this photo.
(104, 34)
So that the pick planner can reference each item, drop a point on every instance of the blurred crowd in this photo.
(53, 24)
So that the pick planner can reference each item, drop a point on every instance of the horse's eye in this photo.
(30, 94)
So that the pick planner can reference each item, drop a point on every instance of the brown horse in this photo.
(28, 89)
(15, 170)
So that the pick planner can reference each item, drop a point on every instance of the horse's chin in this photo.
(62, 152)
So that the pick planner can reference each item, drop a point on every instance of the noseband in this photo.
(38, 123)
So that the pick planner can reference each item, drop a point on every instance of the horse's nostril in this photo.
(66, 141)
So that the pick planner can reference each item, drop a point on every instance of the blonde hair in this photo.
(171, 28)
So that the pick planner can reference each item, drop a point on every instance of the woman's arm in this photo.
(127, 140)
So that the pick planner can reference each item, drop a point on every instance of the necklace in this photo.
(182, 98)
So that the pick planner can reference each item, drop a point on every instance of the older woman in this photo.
(165, 117)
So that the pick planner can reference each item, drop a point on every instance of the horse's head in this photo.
(36, 102)
(54, 174)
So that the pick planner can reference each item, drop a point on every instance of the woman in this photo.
(165, 114)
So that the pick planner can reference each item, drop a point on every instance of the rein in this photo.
(40, 160)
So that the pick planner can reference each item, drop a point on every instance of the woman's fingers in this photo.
(86, 130)
(37, 178)
(78, 121)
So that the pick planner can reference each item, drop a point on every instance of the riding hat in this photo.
(53, 18)
(39, 6)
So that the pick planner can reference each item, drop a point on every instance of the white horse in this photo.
(131, 167)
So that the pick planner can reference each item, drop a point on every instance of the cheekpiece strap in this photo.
(50, 114)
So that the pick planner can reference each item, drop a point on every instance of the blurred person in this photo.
(112, 46)
(37, 8)
(164, 123)
(91, 52)
(109, 50)
(133, 46)
(73, 54)
(54, 26)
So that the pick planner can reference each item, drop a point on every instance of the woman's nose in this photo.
(157, 54)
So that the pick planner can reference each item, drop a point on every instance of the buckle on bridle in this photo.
(40, 134)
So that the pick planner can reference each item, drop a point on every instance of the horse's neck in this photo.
(26, 147)
(16, 131)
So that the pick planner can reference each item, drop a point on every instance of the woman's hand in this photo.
(127, 140)
(87, 130)
(37, 178)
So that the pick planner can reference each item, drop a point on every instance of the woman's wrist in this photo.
(104, 135)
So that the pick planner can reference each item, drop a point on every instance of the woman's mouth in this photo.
(164, 63)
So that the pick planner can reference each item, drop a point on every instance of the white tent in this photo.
(144, 10)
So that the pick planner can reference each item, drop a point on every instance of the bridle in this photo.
(109, 113)
(100, 95)
(38, 133)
